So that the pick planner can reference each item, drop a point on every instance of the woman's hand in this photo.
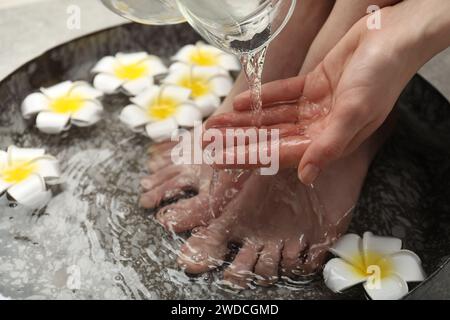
(348, 95)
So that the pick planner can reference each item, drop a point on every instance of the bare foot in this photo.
(278, 224)
(275, 219)
(170, 182)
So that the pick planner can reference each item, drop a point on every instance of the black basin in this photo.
(94, 226)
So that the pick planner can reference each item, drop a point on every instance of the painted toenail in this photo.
(309, 173)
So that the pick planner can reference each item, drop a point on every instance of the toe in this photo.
(314, 259)
(204, 250)
(160, 155)
(161, 147)
(159, 161)
(159, 177)
(185, 214)
(171, 189)
(266, 268)
(240, 273)
(290, 257)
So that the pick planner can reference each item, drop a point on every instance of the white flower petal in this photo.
(134, 116)
(34, 103)
(209, 72)
(155, 66)
(131, 58)
(90, 114)
(390, 288)
(226, 61)
(186, 69)
(185, 53)
(52, 123)
(85, 90)
(382, 246)
(229, 62)
(3, 159)
(23, 154)
(23, 191)
(161, 130)
(107, 83)
(349, 248)
(145, 98)
(340, 275)
(105, 65)
(207, 104)
(48, 168)
(221, 85)
(134, 87)
(37, 200)
(407, 265)
(58, 90)
(176, 92)
(174, 77)
(209, 49)
(187, 115)
(180, 67)
(204, 46)
(4, 186)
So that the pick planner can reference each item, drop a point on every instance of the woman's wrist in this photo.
(431, 27)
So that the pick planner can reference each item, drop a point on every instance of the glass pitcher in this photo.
(236, 26)
(154, 12)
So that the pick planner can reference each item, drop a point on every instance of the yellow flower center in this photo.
(204, 58)
(374, 264)
(131, 71)
(17, 172)
(199, 86)
(163, 108)
(67, 104)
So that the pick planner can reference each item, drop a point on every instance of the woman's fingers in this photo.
(343, 125)
(286, 113)
(273, 92)
(284, 153)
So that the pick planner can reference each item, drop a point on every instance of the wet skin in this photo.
(284, 235)
(288, 237)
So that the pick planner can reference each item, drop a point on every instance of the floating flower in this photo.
(62, 105)
(25, 174)
(204, 55)
(207, 84)
(161, 110)
(133, 72)
(378, 262)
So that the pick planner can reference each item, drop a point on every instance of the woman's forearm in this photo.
(437, 25)
(430, 26)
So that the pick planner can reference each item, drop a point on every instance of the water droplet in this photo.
(199, 257)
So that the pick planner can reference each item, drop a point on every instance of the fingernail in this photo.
(309, 173)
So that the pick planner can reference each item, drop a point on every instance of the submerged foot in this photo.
(169, 182)
(281, 226)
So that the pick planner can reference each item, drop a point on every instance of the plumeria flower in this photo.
(160, 111)
(25, 175)
(377, 262)
(65, 104)
(133, 72)
(204, 55)
(207, 84)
